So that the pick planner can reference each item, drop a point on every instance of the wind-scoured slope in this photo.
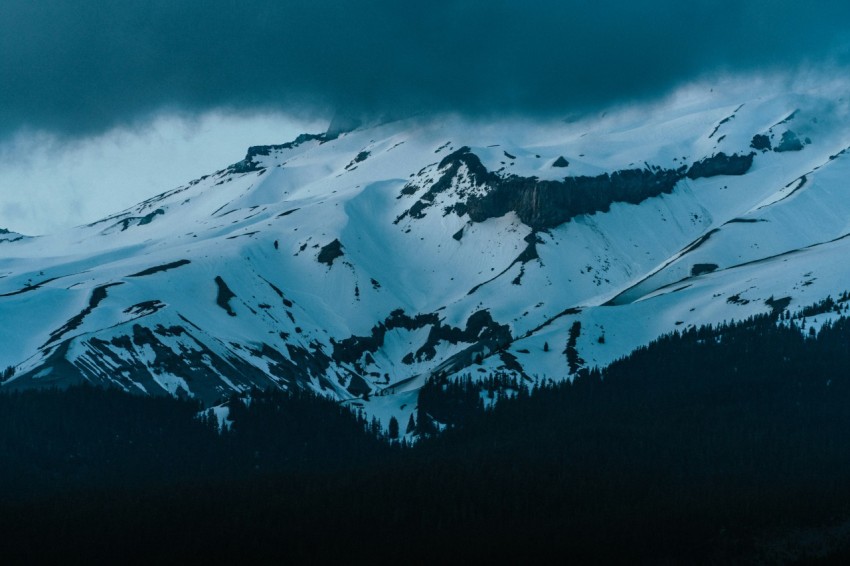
(361, 264)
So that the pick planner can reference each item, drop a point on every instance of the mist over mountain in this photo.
(80, 80)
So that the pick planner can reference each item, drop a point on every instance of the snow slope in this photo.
(361, 264)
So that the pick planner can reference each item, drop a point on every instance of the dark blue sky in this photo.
(82, 67)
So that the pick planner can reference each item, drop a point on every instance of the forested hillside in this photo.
(709, 445)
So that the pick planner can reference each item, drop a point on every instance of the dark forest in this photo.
(711, 445)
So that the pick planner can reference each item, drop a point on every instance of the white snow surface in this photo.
(241, 299)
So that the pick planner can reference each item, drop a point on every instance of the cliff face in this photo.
(546, 204)
(721, 164)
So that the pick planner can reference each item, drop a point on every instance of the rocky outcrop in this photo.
(139, 220)
(352, 349)
(224, 295)
(99, 293)
(298, 367)
(543, 205)
(480, 329)
(359, 158)
(249, 164)
(703, 268)
(547, 204)
(450, 167)
(144, 360)
(161, 268)
(761, 142)
(789, 142)
(721, 164)
(330, 252)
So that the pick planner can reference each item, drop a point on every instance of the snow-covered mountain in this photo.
(361, 263)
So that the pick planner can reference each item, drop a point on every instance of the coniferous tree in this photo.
(393, 428)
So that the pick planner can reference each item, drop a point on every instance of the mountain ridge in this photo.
(359, 265)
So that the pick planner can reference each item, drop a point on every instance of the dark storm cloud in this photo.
(84, 66)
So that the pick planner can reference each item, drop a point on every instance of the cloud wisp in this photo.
(47, 184)
(80, 68)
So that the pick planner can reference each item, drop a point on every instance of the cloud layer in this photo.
(79, 68)
(47, 185)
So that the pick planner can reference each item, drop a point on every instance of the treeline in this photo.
(710, 445)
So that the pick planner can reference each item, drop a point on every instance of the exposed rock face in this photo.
(789, 142)
(481, 331)
(8, 236)
(98, 295)
(702, 268)
(140, 220)
(302, 364)
(249, 164)
(161, 268)
(721, 164)
(561, 162)
(224, 295)
(450, 166)
(480, 328)
(330, 252)
(761, 142)
(547, 204)
(352, 349)
(143, 359)
(359, 158)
